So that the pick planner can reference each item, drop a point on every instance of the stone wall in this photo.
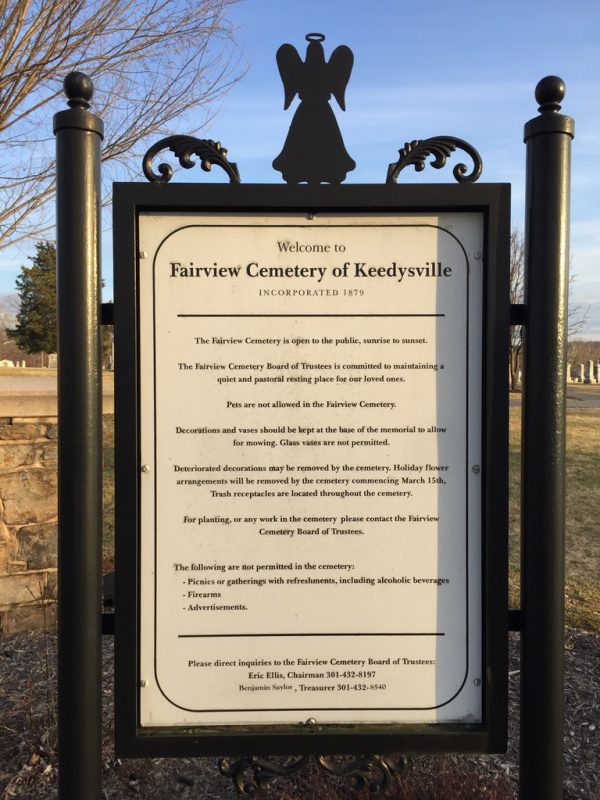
(28, 522)
(28, 511)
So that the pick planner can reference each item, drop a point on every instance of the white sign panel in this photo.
(311, 450)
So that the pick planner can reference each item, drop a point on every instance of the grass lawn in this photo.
(582, 530)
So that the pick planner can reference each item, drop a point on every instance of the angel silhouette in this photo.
(314, 150)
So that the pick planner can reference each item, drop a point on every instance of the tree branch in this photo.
(151, 62)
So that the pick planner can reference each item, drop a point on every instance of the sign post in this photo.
(548, 139)
(78, 137)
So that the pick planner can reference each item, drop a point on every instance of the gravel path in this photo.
(28, 738)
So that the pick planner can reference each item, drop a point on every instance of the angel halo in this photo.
(314, 150)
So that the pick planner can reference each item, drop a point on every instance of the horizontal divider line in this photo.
(322, 725)
(310, 315)
(259, 635)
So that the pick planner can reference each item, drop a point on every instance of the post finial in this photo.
(549, 93)
(78, 89)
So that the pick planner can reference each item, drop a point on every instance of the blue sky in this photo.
(466, 69)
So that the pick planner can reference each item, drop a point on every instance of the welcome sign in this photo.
(312, 527)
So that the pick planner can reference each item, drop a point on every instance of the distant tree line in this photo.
(581, 351)
(577, 318)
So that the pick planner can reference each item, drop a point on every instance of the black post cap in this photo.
(549, 93)
(78, 89)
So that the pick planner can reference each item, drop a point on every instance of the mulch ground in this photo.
(28, 762)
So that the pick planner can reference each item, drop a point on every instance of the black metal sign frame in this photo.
(492, 201)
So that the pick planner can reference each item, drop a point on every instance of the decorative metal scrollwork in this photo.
(375, 773)
(184, 147)
(414, 153)
(264, 773)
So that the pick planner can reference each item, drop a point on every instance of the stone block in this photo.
(26, 618)
(48, 455)
(23, 588)
(16, 566)
(31, 404)
(29, 497)
(20, 431)
(38, 545)
(35, 420)
(8, 547)
(52, 585)
(13, 456)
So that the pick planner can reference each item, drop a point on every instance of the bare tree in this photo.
(9, 349)
(576, 320)
(517, 288)
(151, 61)
(581, 351)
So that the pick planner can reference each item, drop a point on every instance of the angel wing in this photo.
(290, 68)
(339, 68)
